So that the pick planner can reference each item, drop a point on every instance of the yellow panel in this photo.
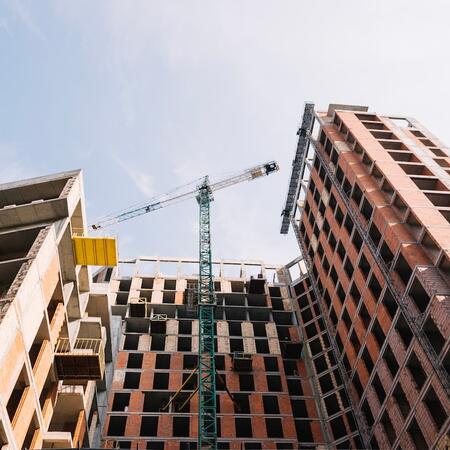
(93, 251)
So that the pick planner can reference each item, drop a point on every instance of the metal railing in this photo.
(82, 346)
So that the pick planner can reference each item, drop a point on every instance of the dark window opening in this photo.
(340, 293)
(416, 370)
(347, 320)
(190, 362)
(355, 341)
(375, 234)
(242, 405)
(299, 409)
(162, 361)
(160, 380)
(403, 330)
(332, 405)
(356, 295)
(274, 383)
(390, 361)
(303, 429)
(348, 267)
(417, 436)
(386, 254)
(320, 364)
(419, 295)
(294, 386)
(434, 335)
(192, 383)
(149, 426)
(364, 265)
(158, 342)
(271, 364)
(338, 427)
(375, 287)
(403, 269)
(341, 250)
(180, 426)
(378, 333)
(388, 428)
(131, 342)
(246, 382)
(357, 241)
(357, 385)
(379, 389)
(389, 303)
(348, 224)
(135, 360)
(121, 401)
(401, 400)
(117, 425)
(339, 216)
(274, 427)
(367, 360)
(270, 403)
(132, 380)
(437, 412)
(366, 209)
(184, 344)
(364, 314)
(326, 383)
(367, 413)
(243, 427)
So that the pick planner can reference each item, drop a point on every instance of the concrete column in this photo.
(194, 343)
(223, 340)
(249, 340)
(171, 344)
(271, 330)
(287, 304)
(144, 342)
(172, 327)
(226, 286)
(195, 328)
(274, 346)
(157, 297)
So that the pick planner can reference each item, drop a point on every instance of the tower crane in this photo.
(203, 192)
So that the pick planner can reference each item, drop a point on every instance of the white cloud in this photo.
(143, 181)
(22, 12)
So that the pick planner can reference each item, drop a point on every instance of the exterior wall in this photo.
(45, 299)
(157, 356)
(374, 227)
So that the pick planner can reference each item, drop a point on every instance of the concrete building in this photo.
(369, 201)
(259, 358)
(55, 324)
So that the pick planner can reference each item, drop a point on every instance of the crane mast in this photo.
(207, 427)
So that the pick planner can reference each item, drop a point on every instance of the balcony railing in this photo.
(85, 361)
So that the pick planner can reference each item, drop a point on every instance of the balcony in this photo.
(84, 361)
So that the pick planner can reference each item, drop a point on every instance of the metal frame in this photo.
(207, 425)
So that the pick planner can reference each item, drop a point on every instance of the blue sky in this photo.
(147, 95)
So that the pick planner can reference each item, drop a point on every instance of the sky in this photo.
(147, 95)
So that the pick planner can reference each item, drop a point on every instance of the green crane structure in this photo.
(207, 423)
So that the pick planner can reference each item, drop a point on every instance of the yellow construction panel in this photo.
(95, 251)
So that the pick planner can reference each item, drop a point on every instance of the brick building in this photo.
(258, 359)
(54, 322)
(369, 202)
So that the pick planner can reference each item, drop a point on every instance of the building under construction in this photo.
(345, 347)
